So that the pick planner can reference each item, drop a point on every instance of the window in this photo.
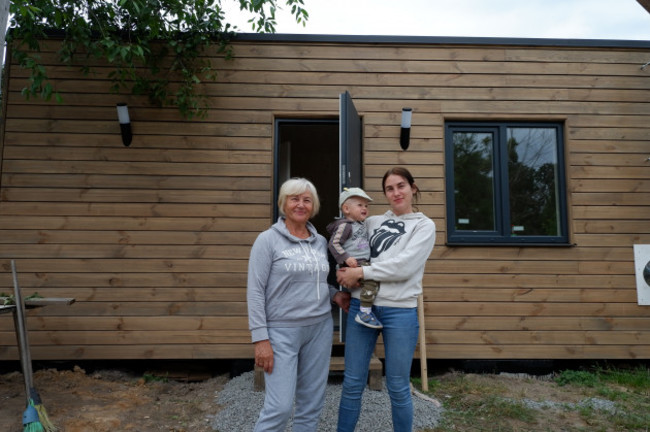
(505, 183)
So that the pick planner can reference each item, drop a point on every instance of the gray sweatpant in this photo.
(301, 357)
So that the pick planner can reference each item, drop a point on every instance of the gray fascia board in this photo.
(441, 40)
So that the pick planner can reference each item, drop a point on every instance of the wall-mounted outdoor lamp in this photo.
(405, 133)
(125, 123)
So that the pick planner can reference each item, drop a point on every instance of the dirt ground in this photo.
(121, 400)
(112, 400)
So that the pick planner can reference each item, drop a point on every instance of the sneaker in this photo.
(368, 320)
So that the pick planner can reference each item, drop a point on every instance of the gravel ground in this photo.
(241, 406)
(593, 403)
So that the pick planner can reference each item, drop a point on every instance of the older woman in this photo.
(401, 241)
(289, 311)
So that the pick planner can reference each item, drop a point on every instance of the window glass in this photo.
(474, 181)
(532, 179)
(505, 183)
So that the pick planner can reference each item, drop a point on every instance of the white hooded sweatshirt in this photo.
(400, 247)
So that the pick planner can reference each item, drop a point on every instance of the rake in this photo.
(35, 418)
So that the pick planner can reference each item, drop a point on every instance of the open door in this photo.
(350, 165)
(327, 151)
(349, 143)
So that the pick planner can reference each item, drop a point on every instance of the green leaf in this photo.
(127, 34)
(34, 296)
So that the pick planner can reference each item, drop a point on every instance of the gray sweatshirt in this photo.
(348, 238)
(287, 281)
(399, 249)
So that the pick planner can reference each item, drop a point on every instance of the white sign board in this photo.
(642, 267)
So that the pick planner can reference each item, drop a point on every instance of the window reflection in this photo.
(474, 181)
(532, 180)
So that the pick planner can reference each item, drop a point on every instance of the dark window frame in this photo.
(502, 235)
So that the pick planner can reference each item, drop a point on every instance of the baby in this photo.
(349, 246)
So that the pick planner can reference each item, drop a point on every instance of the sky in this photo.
(561, 19)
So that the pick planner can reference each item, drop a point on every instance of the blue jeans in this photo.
(400, 335)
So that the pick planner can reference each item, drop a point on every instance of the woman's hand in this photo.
(264, 355)
(349, 277)
(342, 300)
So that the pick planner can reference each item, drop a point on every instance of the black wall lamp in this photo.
(125, 123)
(405, 132)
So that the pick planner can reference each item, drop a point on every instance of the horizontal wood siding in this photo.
(152, 241)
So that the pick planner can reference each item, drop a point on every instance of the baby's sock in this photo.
(365, 309)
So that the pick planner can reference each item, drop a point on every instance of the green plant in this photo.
(34, 296)
(155, 47)
(8, 299)
(613, 394)
(149, 377)
(637, 378)
(577, 378)
(417, 383)
(632, 421)
(496, 406)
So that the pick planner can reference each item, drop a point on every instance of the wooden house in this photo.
(531, 155)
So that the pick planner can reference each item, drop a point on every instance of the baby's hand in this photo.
(351, 262)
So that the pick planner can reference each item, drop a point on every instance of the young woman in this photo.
(401, 241)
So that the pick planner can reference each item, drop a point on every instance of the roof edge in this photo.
(441, 40)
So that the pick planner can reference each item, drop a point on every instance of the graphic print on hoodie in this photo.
(388, 234)
(400, 247)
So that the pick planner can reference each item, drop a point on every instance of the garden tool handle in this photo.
(21, 334)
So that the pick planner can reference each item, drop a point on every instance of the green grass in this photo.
(636, 379)
(489, 403)
(577, 378)
(148, 378)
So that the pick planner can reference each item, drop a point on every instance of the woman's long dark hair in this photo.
(405, 174)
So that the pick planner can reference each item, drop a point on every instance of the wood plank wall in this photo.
(153, 240)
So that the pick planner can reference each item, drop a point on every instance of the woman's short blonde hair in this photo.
(298, 186)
